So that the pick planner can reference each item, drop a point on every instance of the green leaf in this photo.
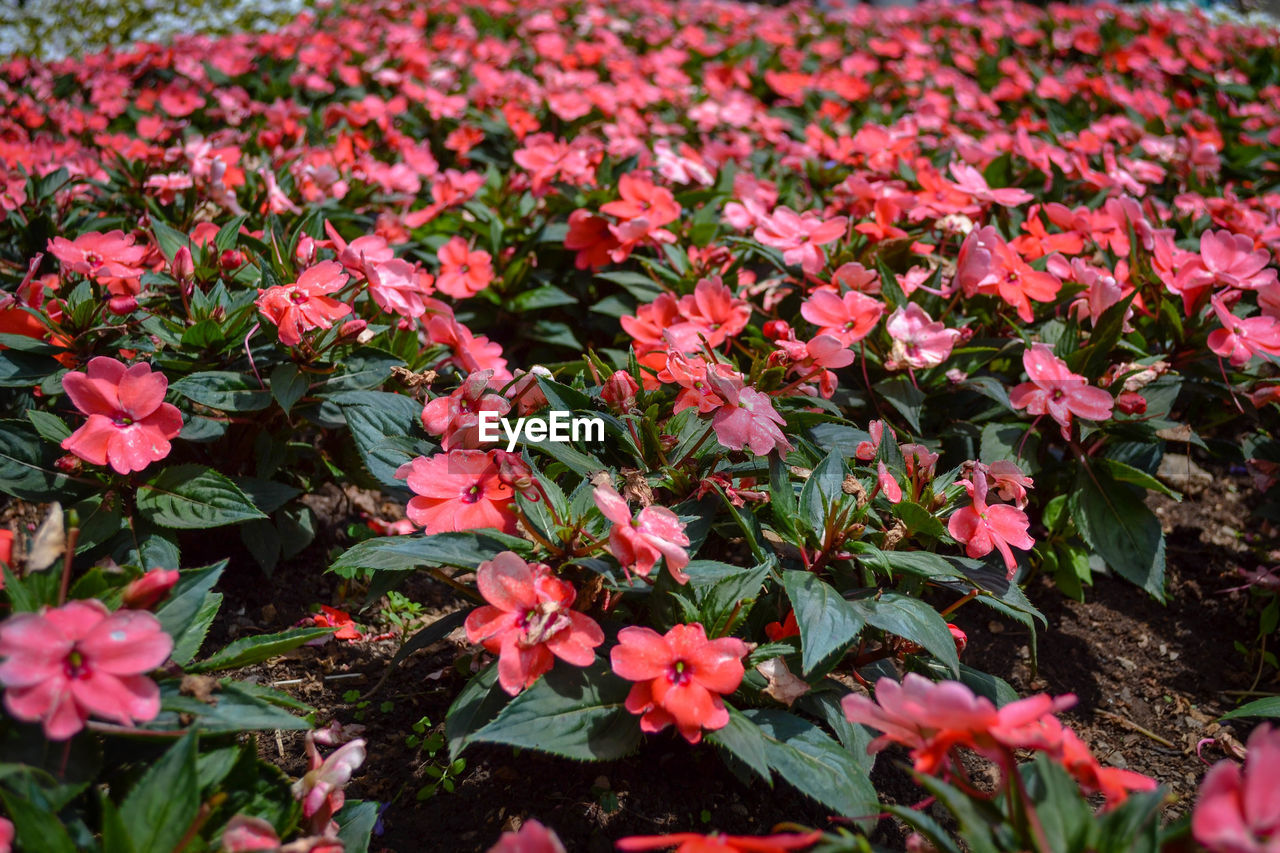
(250, 650)
(51, 427)
(742, 739)
(36, 829)
(1116, 523)
(782, 496)
(914, 620)
(26, 463)
(547, 296)
(1125, 473)
(187, 612)
(192, 497)
(223, 390)
(1268, 707)
(163, 803)
(355, 825)
(477, 704)
(828, 623)
(465, 550)
(572, 712)
(918, 519)
(807, 758)
(239, 707)
(822, 490)
(288, 385)
(903, 396)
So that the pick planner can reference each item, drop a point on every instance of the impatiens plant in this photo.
(716, 355)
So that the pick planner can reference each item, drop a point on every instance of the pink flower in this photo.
(320, 789)
(458, 490)
(1240, 339)
(716, 842)
(637, 543)
(971, 181)
(619, 391)
(302, 306)
(988, 266)
(932, 719)
(129, 424)
(680, 677)
(848, 318)
(64, 664)
(918, 340)
(528, 620)
(6, 835)
(110, 255)
(1009, 481)
(800, 236)
(1232, 261)
(983, 528)
(745, 416)
(533, 837)
(399, 287)
(1239, 809)
(463, 272)
(457, 417)
(1056, 391)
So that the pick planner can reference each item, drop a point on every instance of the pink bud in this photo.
(620, 391)
(306, 251)
(122, 304)
(150, 589)
(960, 637)
(183, 267)
(351, 329)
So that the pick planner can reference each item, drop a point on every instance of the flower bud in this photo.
(619, 391)
(351, 329)
(231, 260)
(1131, 403)
(960, 637)
(306, 251)
(182, 267)
(775, 329)
(150, 589)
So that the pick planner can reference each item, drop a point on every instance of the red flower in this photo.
(463, 272)
(691, 842)
(458, 490)
(65, 664)
(528, 620)
(456, 417)
(681, 677)
(1240, 339)
(332, 617)
(129, 424)
(304, 305)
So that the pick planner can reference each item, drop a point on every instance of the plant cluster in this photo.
(880, 314)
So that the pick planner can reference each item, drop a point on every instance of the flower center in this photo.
(297, 297)
(75, 666)
(124, 421)
(472, 494)
(680, 673)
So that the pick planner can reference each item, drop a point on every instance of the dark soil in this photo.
(1150, 678)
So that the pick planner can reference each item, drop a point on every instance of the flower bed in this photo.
(705, 359)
